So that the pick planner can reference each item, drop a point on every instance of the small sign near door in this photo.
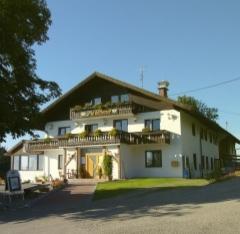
(13, 181)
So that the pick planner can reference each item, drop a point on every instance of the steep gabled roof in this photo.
(144, 93)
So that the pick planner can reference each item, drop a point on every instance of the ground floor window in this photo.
(28, 162)
(211, 163)
(16, 162)
(60, 161)
(153, 158)
(202, 162)
(207, 163)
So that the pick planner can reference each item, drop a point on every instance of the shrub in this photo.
(107, 166)
(100, 173)
(216, 174)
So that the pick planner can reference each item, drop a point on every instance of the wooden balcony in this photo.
(103, 139)
(120, 109)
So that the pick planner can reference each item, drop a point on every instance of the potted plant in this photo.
(47, 139)
(97, 133)
(83, 134)
(69, 135)
(146, 129)
(113, 132)
(107, 166)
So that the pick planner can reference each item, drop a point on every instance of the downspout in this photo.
(200, 145)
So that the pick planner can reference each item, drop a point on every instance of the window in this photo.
(210, 137)
(193, 130)
(153, 158)
(216, 163)
(97, 101)
(187, 162)
(207, 163)
(201, 133)
(211, 163)
(16, 161)
(205, 135)
(91, 127)
(33, 162)
(63, 130)
(40, 162)
(152, 124)
(124, 98)
(28, 163)
(24, 163)
(195, 161)
(202, 162)
(60, 161)
(115, 99)
(121, 124)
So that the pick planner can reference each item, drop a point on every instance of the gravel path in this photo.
(213, 209)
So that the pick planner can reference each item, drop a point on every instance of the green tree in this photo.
(200, 107)
(4, 163)
(23, 24)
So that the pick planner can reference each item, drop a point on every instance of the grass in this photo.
(115, 188)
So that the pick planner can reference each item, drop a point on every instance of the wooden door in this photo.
(90, 167)
(92, 163)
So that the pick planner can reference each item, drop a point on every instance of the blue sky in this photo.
(189, 43)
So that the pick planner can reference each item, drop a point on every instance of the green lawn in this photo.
(115, 188)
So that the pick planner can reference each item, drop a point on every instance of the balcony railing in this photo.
(103, 139)
(121, 109)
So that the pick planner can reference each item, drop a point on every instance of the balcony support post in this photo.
(64, 164)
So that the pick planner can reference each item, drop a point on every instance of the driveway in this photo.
(213, 209)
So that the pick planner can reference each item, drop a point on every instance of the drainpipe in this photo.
(200, 145)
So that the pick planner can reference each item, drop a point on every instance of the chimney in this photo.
(163, 88)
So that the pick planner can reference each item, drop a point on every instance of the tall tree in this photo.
(4, 162)
(23, 23)
(200, 107)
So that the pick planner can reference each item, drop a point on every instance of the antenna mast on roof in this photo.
(226, 125)
(141, 75)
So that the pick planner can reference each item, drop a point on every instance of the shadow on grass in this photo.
(72, 204)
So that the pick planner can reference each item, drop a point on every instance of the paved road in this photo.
(213, 209)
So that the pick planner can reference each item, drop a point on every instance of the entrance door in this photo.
(90, 167)
(93, 162)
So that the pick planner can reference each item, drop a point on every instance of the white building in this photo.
(156, 137)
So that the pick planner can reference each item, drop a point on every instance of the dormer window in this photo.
(124, 98)
(97, 101)
(115, 99)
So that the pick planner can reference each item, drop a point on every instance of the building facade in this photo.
(146, 135)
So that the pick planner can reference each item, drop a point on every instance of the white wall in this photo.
(169, 120)
(133, 160)
(30, 175)
(191, 144)
(51, 163)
